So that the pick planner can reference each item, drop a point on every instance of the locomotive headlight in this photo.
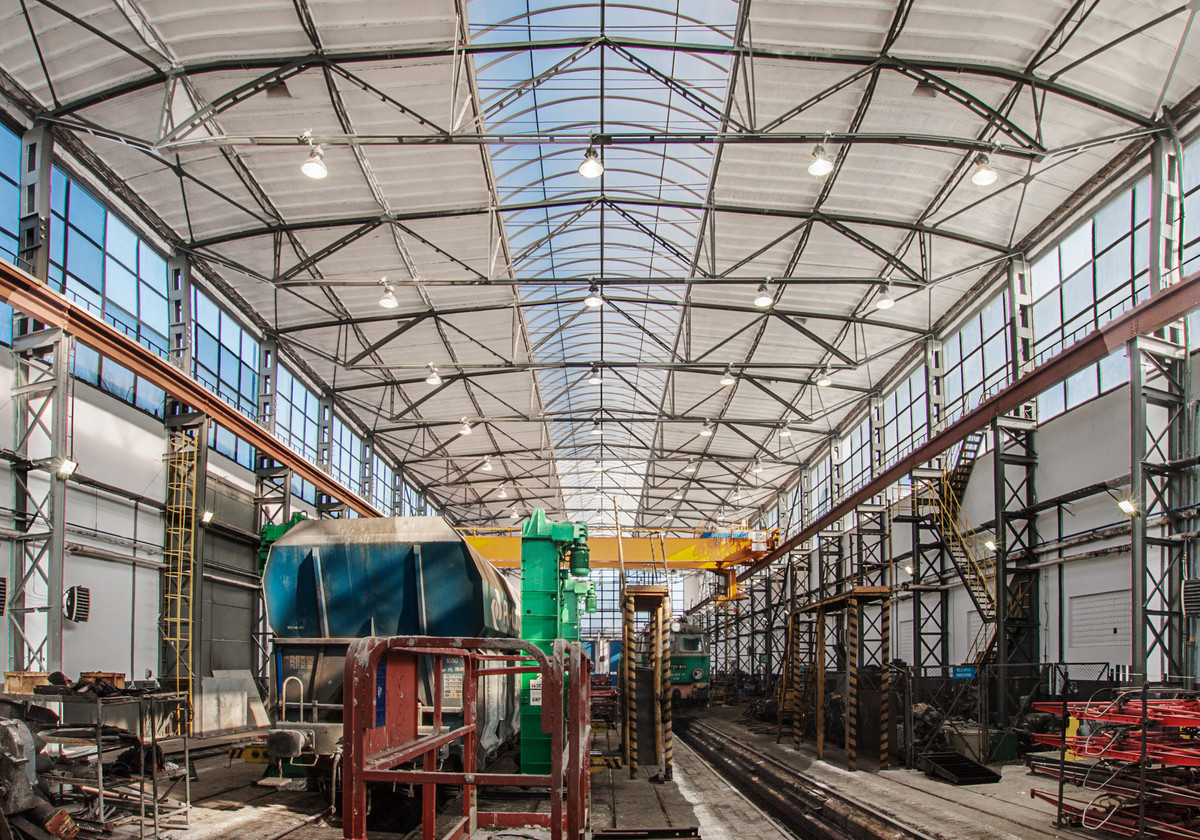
(676, 626)
(697, 673)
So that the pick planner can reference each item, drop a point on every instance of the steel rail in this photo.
(1161, 309)
(26, 295)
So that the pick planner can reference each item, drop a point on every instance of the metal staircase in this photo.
(972, 560)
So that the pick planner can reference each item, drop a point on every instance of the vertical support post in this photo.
(885, 686)
(935, 392)
(655, 657)
(668, 698)
(179, 305)
(1014, 492)
(272, 499)
(1160, 442)
(852, 617)
(41, 396)
(799, 681)
(1166, 222)
(630, 669)
(33, 236)
(183, 553)
(327, 506)
(819, 664)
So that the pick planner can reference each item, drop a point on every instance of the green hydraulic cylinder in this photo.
(554, 558)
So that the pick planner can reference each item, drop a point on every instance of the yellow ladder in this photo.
(179, 557)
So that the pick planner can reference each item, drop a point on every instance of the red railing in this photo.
(382, 738)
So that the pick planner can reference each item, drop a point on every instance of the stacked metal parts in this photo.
(1136, 757)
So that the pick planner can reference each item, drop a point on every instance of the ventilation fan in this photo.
(3, 595)
(78, 604)
(1191, 597)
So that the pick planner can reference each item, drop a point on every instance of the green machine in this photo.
(554, 561)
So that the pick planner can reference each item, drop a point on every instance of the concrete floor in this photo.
(1001, 811)
(229, 803)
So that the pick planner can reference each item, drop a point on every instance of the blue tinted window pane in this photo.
(86, 364)
(10, 153)
(117, 380)
(85, 260)
(120, 285)
(150, 398)
(121, 242)
(85, 213)
(58, 192)
(10, 205)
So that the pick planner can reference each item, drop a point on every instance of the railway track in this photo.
(805, 807)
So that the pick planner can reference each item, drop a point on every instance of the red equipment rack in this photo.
(382, 718)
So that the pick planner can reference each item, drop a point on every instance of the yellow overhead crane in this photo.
(714, 550)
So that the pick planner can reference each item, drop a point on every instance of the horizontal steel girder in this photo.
(25, 294)
(1161, 309)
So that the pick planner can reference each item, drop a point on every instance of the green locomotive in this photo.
(689, 661)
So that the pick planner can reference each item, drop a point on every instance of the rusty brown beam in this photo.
(26, 295)
(1164, 308)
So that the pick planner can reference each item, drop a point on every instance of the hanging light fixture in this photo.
(515, 515)
(728, 379)
(388, 299)
(706, 429)
(597, 429)
(691, 467)
(314, 166)
(594, 376)
(503, 494)
(758, 467)
(678, 494)
(487, 463)
(465, 429)
(984, 175)
(823, 379)
(784, 431)
(821, 165)
(594, 298)
(598, 467)
(763, 299)
(591, 167)
(433, 378)
(885, 300)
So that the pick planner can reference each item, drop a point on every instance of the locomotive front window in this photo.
(690, 644)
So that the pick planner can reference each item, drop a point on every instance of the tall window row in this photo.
(100, 263)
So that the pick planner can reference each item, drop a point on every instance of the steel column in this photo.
(33, 236)
(183, 552)
(41, 395)
(1160, 446)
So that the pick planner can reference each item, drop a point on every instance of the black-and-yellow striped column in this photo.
(668, 691)
(819, 665)
(885, 684)
(852, 685)
(655, 657)
(798, 683)
(630, 674)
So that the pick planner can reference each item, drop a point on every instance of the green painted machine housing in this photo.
(554, 563)
(271, 533)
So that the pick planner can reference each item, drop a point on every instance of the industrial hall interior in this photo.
(599, 419)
